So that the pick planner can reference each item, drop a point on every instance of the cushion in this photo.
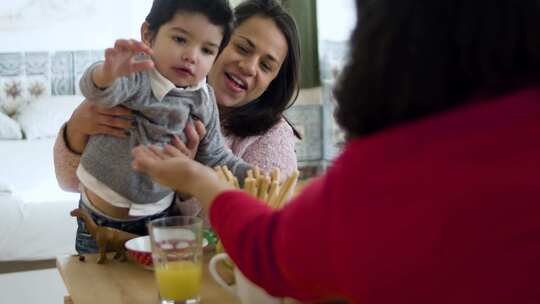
(43, 117)
(9, 128)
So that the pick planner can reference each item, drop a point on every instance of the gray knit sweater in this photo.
(108, 159)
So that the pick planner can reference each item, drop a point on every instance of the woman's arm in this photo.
(87, 119)
(280, 250)
(273, 249)
(65, 163)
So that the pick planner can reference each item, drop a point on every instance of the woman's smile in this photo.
(235, 84)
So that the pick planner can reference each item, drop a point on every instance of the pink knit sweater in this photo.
(275, 148)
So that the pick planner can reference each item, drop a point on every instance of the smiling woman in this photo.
(257, 76)
(254, 59)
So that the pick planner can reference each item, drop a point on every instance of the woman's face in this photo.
(247, 65)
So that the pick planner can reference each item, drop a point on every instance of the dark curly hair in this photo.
(412, 58)
(218, 12)
(260, 115)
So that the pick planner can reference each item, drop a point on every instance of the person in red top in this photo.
(436, 196)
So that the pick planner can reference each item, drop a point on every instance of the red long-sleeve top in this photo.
(443, 210)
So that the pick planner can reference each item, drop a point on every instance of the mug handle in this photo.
(215, 275)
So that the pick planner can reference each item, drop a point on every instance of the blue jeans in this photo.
(84, 243)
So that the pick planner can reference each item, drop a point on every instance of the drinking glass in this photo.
(177, 255)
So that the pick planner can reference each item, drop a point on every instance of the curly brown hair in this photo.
(413, 58)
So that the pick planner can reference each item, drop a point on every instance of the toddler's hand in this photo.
(120, 61)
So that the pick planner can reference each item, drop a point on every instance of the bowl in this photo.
(140, 251)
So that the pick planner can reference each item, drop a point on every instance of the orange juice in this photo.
(179, 280)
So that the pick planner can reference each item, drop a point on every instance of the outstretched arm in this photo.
(120, 61)
(274, 249)
(116, 80)
(177, 171)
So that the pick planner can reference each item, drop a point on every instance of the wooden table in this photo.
(123, 282)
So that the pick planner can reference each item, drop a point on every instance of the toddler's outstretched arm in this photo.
(120, 61)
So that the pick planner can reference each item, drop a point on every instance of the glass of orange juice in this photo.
(177, 255)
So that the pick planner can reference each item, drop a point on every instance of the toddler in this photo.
(166, 90)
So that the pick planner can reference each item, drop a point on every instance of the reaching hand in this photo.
(121, 61)
(167, 166)
(177, 171)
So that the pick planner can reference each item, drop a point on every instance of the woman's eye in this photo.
(179, 39)
(242, 49)
(266, 67)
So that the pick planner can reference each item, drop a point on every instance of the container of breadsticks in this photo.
(274, 192)
(269, 189)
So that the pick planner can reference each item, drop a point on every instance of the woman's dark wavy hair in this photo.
(412, 58)
(259, 116)
(218, 12)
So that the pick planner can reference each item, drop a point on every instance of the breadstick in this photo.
(273, 194)
(249, 185)
(246, 185)
(287, 188)
(235, 182)
(263, 188)
(228, 173)
(256, 172)
(258, 184)
(223, 170)
(275, 175)
(221, 175)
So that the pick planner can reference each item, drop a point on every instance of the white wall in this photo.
(54, 25)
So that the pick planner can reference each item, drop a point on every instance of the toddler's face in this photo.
(185, 48)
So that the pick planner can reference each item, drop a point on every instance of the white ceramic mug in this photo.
(244, 289)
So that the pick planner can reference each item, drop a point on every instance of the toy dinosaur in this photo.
(108, 239)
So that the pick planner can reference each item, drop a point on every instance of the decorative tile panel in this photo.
(62, 77)
(81, 61)
(27, 76)
(307, 118)
(11, 64)
(37, 86)
(37, 64)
